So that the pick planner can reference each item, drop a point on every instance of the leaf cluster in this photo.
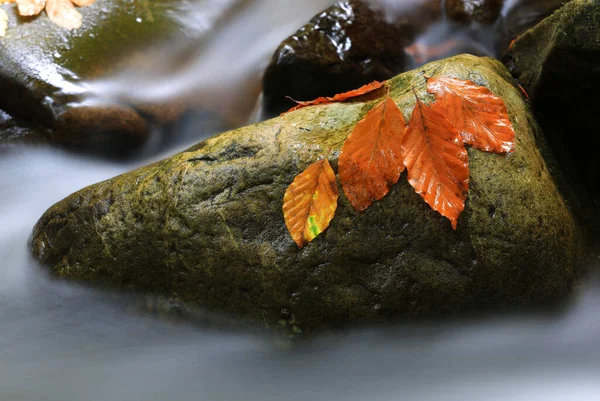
(61, 12)
(431, 147)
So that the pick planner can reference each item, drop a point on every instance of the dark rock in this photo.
(521, 16)
(481, 11)
(557, 64)
(42, 67)
(13, 134)
(344, 47)
(205, 226)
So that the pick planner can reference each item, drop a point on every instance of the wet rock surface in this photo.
(344, 47)
(557, 63)
(481, 11)
(42, 67)
(205, 226)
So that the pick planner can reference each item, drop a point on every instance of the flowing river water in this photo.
(60, 341)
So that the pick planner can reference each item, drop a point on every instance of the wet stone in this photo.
(468, 11)
(344, 47)
(557, 63)
(42, 67)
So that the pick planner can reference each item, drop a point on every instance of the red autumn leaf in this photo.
(437, 161)
(363, 90)
(310, 202)
(371, 159)
(523, 91)
(479, 115)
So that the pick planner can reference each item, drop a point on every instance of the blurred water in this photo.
(63, 342)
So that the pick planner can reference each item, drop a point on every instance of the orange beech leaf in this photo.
(371, 159)
(479, 115)
(363, 90)
(310, 202)
(437, 161)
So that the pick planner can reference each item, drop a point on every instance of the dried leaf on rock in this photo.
(310, 202)
(63, 13)
(363, 90)
(29, 8)
(479, 115)
(371, 159)
(437, 161)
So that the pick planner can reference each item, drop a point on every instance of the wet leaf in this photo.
(340, 96)
(63, 13)
(479, 115)
(371, 158)
(437, 161)
(310, 202)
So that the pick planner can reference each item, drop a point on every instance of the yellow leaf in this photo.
(83, 3)
(28, 8)
(310, 202)
(3, 22)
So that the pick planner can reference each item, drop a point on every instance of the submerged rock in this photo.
(42, 67)
(206, 226)
(344, 47)
(557, 64)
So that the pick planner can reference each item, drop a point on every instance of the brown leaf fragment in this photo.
(310, 202)
(371, 159)
(437, 161)
(479, 115)
(63, 13)
(29, 8)
(83, 3)
(363, 90)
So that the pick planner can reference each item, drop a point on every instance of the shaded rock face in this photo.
(206, 226)
(482, 11)
(344, 47)
(557, 63)
(42, 67)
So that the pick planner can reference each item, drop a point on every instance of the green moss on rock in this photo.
(206, 226)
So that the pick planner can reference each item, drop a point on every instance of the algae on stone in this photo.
(206, 226)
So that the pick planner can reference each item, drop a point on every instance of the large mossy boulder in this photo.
(206, 226)
(557, 62)
(43, 66)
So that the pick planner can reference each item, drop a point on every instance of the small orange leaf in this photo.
(371, 159)
(310, 202)
(363, 90)
(479, 115)
(437, 161)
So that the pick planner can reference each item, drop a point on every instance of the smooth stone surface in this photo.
(557, 64)
(346, 46)
(205, 226)
(481, 11)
